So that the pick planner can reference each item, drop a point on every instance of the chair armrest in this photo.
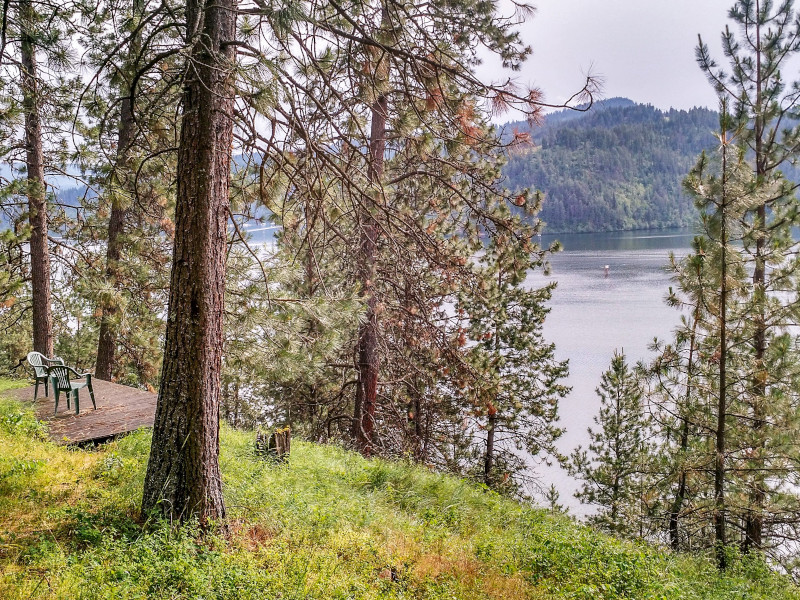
(71, 370)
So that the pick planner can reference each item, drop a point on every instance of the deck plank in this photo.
(120, 409)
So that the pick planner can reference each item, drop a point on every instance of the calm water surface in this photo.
(592, 315)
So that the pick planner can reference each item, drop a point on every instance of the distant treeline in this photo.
(618, 166)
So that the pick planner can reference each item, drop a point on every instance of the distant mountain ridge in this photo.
(617, 166)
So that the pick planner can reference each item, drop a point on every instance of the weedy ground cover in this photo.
(329, 524)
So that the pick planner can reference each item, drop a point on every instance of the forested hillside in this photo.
(617, 166)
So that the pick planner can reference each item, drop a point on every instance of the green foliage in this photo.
(18, 420)
(330, 524)
(613, 468)
(519, 383)
(280, 336)
(725, 392)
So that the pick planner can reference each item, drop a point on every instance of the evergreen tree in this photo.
(37, 102)
(722, 199)
(703, 399)
(125, 238)
(767, 106)
(183, 477)
(517, 391)
(407, 239)
(613, 468)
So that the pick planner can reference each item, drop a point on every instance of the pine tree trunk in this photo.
(722, 407)
(753, 527)
(368, 358)
(183, 476)
(753, 519)
(419, 447)
(680, 496)
(107, 342)
(37, 198)
(488, 461)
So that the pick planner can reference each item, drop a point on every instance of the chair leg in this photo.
(77, 402)
(91, 395)
(36, 391)
(57, 394)
(46, 392)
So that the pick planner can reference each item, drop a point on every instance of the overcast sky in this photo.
(644, 49)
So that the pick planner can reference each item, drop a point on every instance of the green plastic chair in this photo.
(40, 362)
(61, 381)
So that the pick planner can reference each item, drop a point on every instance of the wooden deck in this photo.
(120, 409)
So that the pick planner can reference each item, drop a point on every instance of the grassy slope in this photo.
(330, 525)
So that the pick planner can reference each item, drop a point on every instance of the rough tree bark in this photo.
(183, 476)
(37, 198)
(368, 358)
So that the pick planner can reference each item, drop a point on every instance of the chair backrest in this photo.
(61, 375)
(39, 367)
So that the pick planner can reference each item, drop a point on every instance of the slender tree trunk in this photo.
(237, 406)
(183, 477)
(753, 519)
(107, 342)
(488, 461)
(753, 527)
(680, 496)
(419, 448)
(368, 358)
(37, 198)
(615, 505)
(312, 282)
(719, 468)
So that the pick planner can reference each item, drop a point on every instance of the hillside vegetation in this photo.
(328, 525)
(618, 166)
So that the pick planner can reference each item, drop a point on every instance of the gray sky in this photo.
(644, 49)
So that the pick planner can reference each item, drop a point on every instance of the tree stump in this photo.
(275, 445)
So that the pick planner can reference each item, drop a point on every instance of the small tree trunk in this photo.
(680, 495)
(488, 461)
(677, 505)
(753, 526)
(183, 477)
(37, 198)
(719, 465)
(419, 448)
(107, 341)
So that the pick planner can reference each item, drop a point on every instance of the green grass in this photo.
(11, 384)
(328, 525)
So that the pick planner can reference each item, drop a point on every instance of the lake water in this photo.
(592, 315)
